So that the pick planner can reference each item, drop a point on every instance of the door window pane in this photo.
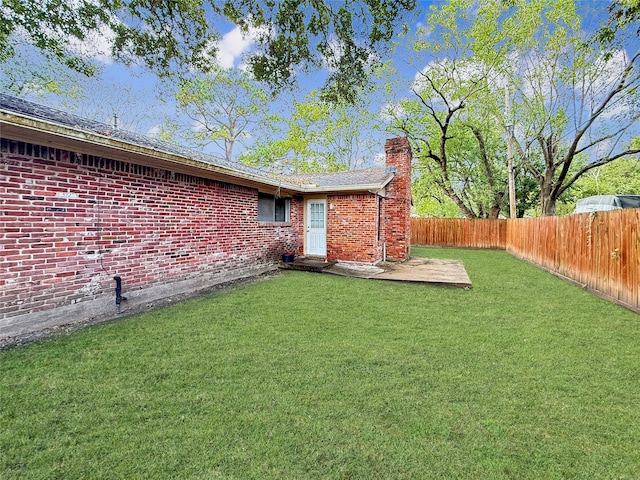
(316, 215)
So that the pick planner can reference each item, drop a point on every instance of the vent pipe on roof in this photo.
(115, 121)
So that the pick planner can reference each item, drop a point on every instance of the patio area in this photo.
(449, 273)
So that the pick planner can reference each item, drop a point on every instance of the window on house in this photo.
(272, 209)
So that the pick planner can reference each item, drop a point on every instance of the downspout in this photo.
(119, 297)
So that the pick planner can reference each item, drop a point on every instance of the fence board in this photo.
(599, 250)
(459, 232)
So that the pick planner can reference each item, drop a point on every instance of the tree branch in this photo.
(590, 166)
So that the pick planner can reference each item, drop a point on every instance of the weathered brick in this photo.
(128, 218)
(153, 227)
(397, 204)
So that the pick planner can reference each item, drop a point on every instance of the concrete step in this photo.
(306, 265)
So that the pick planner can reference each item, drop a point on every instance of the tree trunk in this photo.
(494, 212)
(547, 180)
(547, 198)
(466, 211)
(496, 208)
(548, 206)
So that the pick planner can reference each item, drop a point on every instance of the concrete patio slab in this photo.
(423, 270)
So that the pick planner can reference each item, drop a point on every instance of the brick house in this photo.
(82, 203)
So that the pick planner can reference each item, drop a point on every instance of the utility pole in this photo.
(509, 127)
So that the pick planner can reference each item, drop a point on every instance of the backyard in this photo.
(301, 375)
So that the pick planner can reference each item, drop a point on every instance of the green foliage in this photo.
(622, 15)
(315, 136)
(430, 201)
(222, 108)
(574, 105)
(319, 376)
(620, 177)
(527, 194)
(491, 30)
(177, 36)
(48, 25)
(572, 138)
(451, 121)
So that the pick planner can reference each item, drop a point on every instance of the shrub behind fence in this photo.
(600, 251)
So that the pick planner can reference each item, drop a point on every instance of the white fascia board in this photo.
(12, 122)
(33, 130)
(342, 188)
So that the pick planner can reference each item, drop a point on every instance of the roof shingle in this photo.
(370, 178)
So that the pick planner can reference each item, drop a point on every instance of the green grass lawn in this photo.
(318, 376)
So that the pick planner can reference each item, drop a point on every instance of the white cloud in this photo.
(448, 76)
(95, 46)
(615, 110)
(97, 43)
(538, 77)
(419, 80)
(391, 111)
(232, 46)
(460, 72)
(154, 131)
(608, 71)
(601, 149)
(423, 30)
(199, 125)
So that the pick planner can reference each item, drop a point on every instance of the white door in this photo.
(316, 228)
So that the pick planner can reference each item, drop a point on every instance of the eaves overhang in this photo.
(343, 182)
(41, 132)
(19, 127)
(377, 188)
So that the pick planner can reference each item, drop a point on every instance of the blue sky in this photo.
(142, 103)
(130, 92)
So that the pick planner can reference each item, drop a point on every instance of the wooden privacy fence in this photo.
(459, 232)
(600, 251)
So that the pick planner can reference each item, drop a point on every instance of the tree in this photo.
(621, 177)
(622, 15)
(315, 136)
(349, 37)
(578, 107)
(44, 76)
(97, 97)
(457, 148)
(114, 102)
(220, 108)
(574, 104)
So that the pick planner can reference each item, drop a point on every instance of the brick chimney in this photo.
(397, 202)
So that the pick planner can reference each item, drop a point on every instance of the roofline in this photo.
(365, 187)
(25, 128)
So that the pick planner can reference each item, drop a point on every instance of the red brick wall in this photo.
(352, 233)
(397, 204)
(70, 222)
(359, 225)
(297, 215)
